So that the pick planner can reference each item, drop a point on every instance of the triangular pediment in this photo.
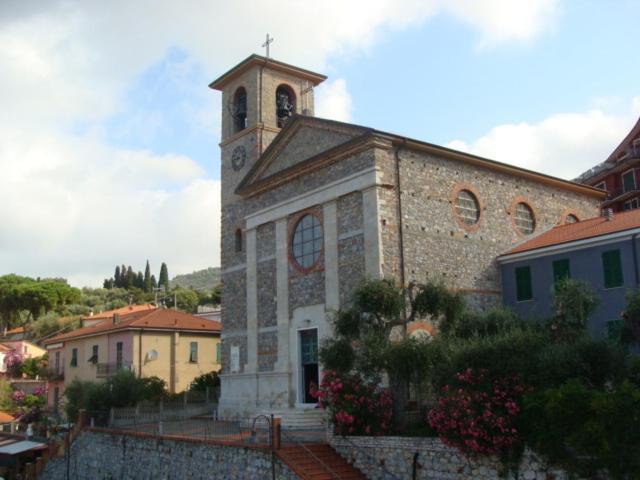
(300, 142)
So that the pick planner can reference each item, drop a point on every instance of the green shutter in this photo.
(523, 284)
(561, 269)
(218, 353)
(612, 266)
(614, 330)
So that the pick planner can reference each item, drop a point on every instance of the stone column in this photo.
(331, 285)
(372, 238)
(282, 294)
(252, 303)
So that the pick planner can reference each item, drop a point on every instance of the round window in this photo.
(307, 241)
(524, 219)
(467, 207)
(571, 218)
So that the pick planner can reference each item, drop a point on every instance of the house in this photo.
(312, 207)
(602, 251)
(95, 318)
(174, 346)
(23, 348)
(619, 174)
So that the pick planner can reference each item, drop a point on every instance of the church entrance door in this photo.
(309, 363)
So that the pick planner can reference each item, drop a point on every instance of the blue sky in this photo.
(111, 138)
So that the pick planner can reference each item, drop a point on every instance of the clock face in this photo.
(238, 158)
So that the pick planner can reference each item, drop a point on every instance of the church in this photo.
(312, 207)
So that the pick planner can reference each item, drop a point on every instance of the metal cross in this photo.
(267, 43)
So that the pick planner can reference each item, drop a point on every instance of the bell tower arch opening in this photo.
(239, 110)
(285, 104)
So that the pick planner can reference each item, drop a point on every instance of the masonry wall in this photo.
(436, 244)
(106, 456)
(392, 458)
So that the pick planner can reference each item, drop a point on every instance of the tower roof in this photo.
(258, 60)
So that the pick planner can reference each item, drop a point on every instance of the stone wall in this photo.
(437, 244)
(392, 458)
(100, 455)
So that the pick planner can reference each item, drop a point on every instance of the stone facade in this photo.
(392, 458)
(387, 209)
(105, 456)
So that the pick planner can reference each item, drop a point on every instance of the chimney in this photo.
(116, 318)
(608, 214)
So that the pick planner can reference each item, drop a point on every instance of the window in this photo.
(94, 355)
(561, 269)
(218, 353)
(467, 207)
(601, 186)
(74, 357)
(238, 241)
(631, 204)
(193, 352)
(629, 180)
(119, 354)
(307, 241)
(571, 218)
(240, 110)
(57, 362)
(285, 104)
(524, 219)
(614, 330)
(612, 266)
(523, 284)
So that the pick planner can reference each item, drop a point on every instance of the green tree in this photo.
(163, 280)
(573, 302)
(147, 278)
(187, 299)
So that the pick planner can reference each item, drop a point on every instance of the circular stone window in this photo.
(525, 220)
(571, 218)
(307, 241)
(467, 207)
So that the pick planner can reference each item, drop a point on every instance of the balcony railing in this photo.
(55, 373)
(109, 369)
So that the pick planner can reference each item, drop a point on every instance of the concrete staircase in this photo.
(303, 419)
(318, 462)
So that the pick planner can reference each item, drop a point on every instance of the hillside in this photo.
(201, 280)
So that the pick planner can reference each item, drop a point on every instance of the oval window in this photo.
(571, 218)
(467, 207)
(524, 219)
(306, 244)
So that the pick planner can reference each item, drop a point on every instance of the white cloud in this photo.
(563, 145)
(73, 204)
(333, 100)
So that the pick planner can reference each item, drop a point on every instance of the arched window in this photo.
(285, 104)
(238, 241)
(240, 110)
(571, 218)
(467, 207)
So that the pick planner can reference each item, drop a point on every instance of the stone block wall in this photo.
(392, 458)
(100, 455)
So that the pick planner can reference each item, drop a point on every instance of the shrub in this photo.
(586, 430)
(573, 302)
(479, 414)
(355, 406)
(209, 380)
(474, 324)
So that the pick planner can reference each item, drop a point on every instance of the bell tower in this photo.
(259, 95)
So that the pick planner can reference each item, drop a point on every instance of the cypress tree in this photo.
(154, 282)
(116, 277)
(131, 278)
(147, 278)
(164, 277)
(140, 280)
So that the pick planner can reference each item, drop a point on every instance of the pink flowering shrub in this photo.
(14, 360)
(355, 407)
(480, 415)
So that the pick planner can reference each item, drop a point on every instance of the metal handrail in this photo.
(329, 470)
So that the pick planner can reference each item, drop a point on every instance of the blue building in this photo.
(602, 251)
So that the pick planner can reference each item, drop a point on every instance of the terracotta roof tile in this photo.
(157, 318)
(592, 227)
(121, 311)
(6, 418)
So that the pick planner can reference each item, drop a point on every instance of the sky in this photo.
(109, 134)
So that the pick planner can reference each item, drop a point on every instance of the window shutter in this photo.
(561, 269)
(612, 267)
(524, 289)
